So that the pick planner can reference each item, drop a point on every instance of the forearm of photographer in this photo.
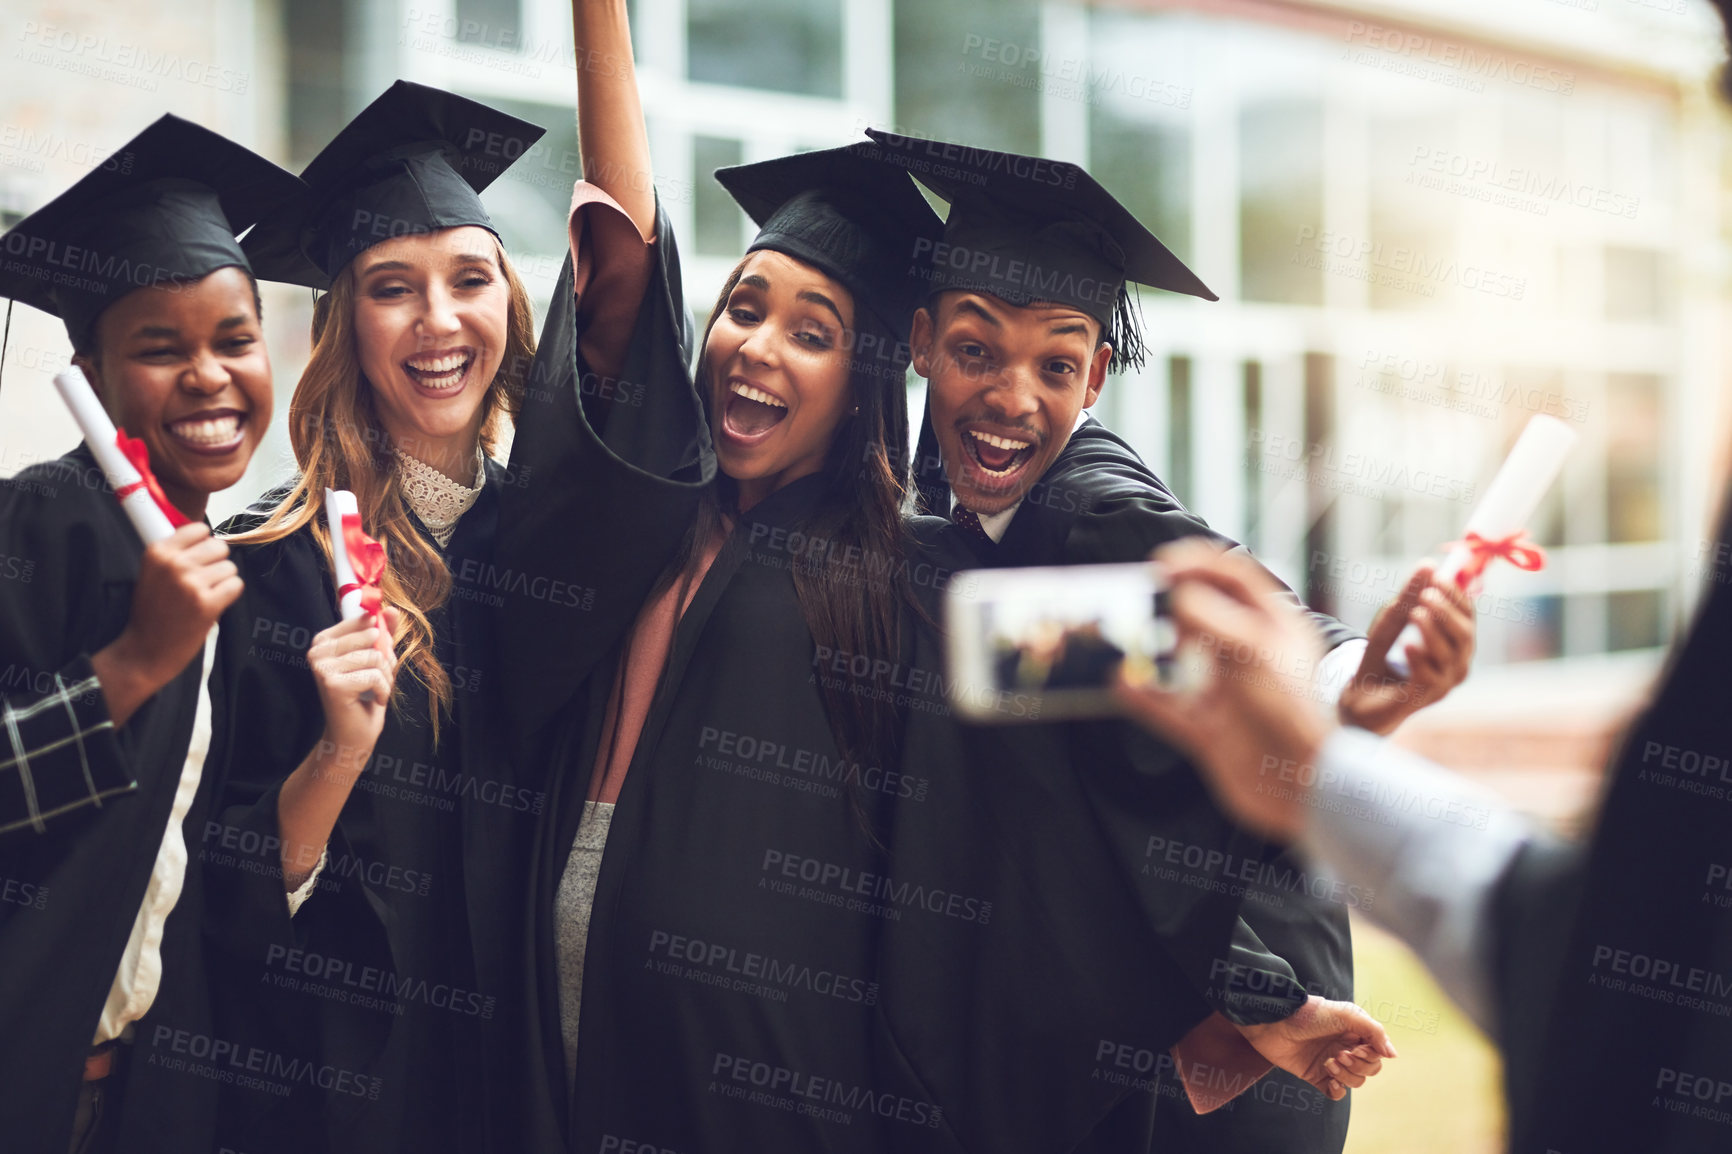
(1431, 845)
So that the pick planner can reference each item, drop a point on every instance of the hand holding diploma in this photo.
(357, 561)
(1497, 525)
(124, 460)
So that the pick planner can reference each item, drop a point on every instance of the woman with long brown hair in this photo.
(388, 822)
(711, 751)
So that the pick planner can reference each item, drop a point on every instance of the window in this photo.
(1412, 209)
(964, 72)
(529, 204)
(493, 23)
(1635, 285)
(1179, 426)
(781, 45)
(1635, 620)
(1634, 511)
(1147, 166)
(717, 220)
(1281, 203)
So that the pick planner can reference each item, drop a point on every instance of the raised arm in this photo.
(612, 137)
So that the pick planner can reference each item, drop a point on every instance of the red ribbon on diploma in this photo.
(367, 559)
(1516, 549)
(133, 450)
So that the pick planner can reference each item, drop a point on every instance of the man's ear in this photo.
(920, 342)
(88, 362)
(1097, 374)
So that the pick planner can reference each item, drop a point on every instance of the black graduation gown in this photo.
(730, 999)
(1098, 503)
(610, 468)
(1613, 962)
(366, 1004)
(73, 890)
(430, 854)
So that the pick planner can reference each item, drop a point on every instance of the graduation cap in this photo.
(414, 161)
(163, 209)
(851, 215)
(1025, 229)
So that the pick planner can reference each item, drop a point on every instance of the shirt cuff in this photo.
(299, 896)
(1336, 668)
(1426, 848)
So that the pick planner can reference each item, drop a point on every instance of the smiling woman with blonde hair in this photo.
(353, 752)
(374, 763)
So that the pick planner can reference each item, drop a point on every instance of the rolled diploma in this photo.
(141, 508)
(1511, 498)
(337, 503)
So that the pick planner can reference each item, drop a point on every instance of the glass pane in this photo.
(1635, 285)
(964, 71)
(716, 219)
(494, 23)
(781, 45)
(530, 203)
(1147, 165)
(1535, 635)
(1178, 476)
(1281, 203)
(1412, 222)
(1633, 431)
(1635, 620)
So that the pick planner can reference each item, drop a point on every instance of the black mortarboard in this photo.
(413, 161)
(858, 219)
(163, 208)
(1025, 228)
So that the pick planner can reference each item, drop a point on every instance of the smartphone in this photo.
(1050, 643)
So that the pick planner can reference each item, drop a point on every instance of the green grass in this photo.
(1444, 1094)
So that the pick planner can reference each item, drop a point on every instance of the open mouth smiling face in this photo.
(185, 370)
(777, 360)
(1008, 384)
(431, 316)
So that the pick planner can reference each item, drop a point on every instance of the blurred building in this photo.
(1427, 220)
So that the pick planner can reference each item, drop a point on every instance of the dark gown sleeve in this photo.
(266, 717)
(58, 750)
(610, 455)
(1129, 520)
(1288, 944)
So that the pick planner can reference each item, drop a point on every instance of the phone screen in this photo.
(1056, 639)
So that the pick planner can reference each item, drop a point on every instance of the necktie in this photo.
(969, 522)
